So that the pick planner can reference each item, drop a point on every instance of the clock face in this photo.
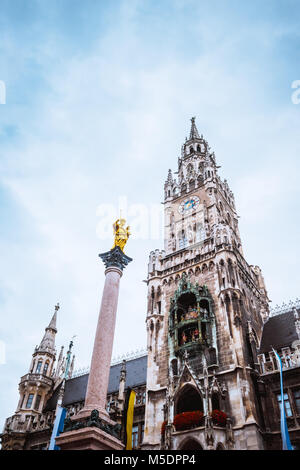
(188, 205)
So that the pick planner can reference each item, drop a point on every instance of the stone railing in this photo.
(37, 378)
(284, 308)
(130, 356)
(289, 360)
(19, 423)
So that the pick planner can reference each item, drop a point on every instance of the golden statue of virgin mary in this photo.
(121, 233)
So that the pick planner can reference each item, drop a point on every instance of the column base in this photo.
(88, 439)
(86, 413)
(90, 431)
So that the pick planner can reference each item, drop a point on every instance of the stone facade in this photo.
(206, 309)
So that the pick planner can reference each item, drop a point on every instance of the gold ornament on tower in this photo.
(121, 233)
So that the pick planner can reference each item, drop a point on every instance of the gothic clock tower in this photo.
(206, 309)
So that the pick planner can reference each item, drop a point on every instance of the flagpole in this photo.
(286, 443)
(61, 412)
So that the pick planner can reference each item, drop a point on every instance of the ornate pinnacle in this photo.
(194, 131)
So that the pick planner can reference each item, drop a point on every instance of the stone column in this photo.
(92, 428)
(103, 344)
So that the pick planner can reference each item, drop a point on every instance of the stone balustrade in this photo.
(290, 360)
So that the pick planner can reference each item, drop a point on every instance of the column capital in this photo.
(115, 258)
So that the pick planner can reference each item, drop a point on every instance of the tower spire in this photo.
(194, 134)
(52, 324)
(48, 341)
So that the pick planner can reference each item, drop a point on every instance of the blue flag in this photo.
(58, 427)
(286, 443)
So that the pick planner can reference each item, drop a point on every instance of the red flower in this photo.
(219, 417)
(187, 420)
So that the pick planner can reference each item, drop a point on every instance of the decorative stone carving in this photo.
(91, 421)
(116, 258)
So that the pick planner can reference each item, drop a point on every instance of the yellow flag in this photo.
(129, 420)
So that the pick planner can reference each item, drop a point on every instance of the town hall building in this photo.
(208, 379)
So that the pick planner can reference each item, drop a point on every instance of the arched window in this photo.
(191, 149)
(37, 402)
(182, 240)
(198, 148)
(38, 367)
(191, 444)
(46, 368)
(220, 446)
(29, 400)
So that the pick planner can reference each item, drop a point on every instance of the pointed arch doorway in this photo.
(190, 444)
(188, 399)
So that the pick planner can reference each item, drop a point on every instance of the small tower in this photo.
(35, 386)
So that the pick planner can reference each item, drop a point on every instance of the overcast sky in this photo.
(99, 95)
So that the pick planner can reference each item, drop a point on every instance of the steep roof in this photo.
(279, 331)
(136, 373)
